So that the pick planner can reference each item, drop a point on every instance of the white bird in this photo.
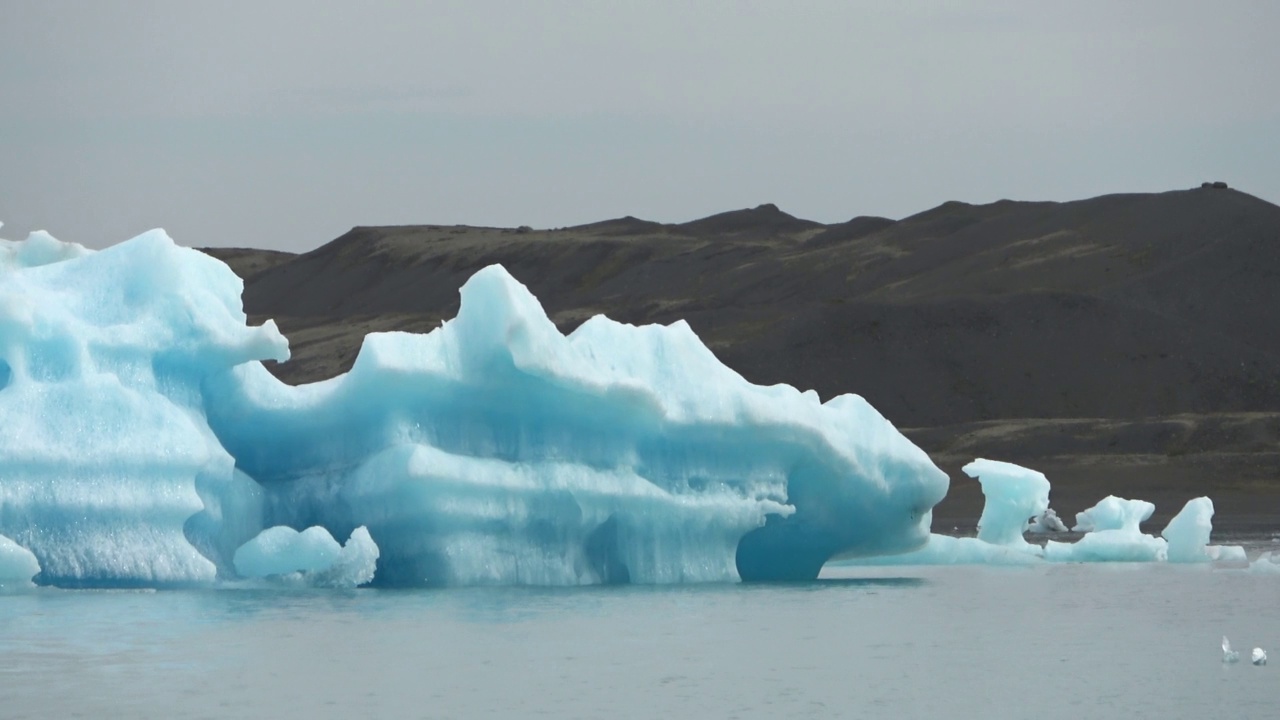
(1228, 655)
(1259, 656)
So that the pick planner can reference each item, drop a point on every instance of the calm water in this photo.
(1054, 642)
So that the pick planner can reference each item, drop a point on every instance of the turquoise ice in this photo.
(311, 557)
(145, 443)
(1111, 528)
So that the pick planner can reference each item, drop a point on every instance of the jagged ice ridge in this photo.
(145, 443)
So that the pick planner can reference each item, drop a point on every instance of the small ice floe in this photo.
(1259, 656)
(1267, 562)
(1228, 655)
(311, 557)
(17, 564)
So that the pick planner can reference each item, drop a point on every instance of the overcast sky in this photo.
(283, 124)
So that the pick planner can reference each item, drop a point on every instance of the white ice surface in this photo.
(17, 564)
(1112, 535)
(496, 450)
(1013, 494)
(40, 248)
(1114, 513)
(312, 554)
(1188, 532)
(107, 463)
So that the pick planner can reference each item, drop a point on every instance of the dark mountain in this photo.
(1121, 307)
(760, 222)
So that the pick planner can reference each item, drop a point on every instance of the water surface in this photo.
(1046, 642)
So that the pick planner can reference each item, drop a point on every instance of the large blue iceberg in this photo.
(144, 442)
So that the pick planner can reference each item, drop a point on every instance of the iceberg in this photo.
(1112, 534)
(146, 444)
(1188, 532)
(106, 456)
(17, 565)
(1228, 555)
(1267, 562)
(312, 557)
(496, 450)
(1113, 513)
(1188, 537)
(1012, 494)
(40, 248)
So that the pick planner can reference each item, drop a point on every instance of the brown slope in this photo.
(247, 262)
(1121, 306)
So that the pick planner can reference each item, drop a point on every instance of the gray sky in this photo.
(282, 124)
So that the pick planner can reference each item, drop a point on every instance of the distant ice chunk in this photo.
(1109, 546)
(282, 550)
(1229, 655)
(1013, 493)
(1046, 522)
(1112, 535)
(1267, 562)
(1188, 535)
(17, 565)
(312, 555)
(1114, 513)
(357, 564)
(1228, 555)
(1188, 532)
(1258, 656)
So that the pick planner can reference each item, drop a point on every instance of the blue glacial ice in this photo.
(17, 564)
(311, 557)
(1188, 536)
(106, 458)
(145, 443)
(1268, 562)
(1112, 534)
(40, 248)
(1111, 529)
(496, 450)
(1012, 495)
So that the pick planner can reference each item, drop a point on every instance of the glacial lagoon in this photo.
(1050, 641)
